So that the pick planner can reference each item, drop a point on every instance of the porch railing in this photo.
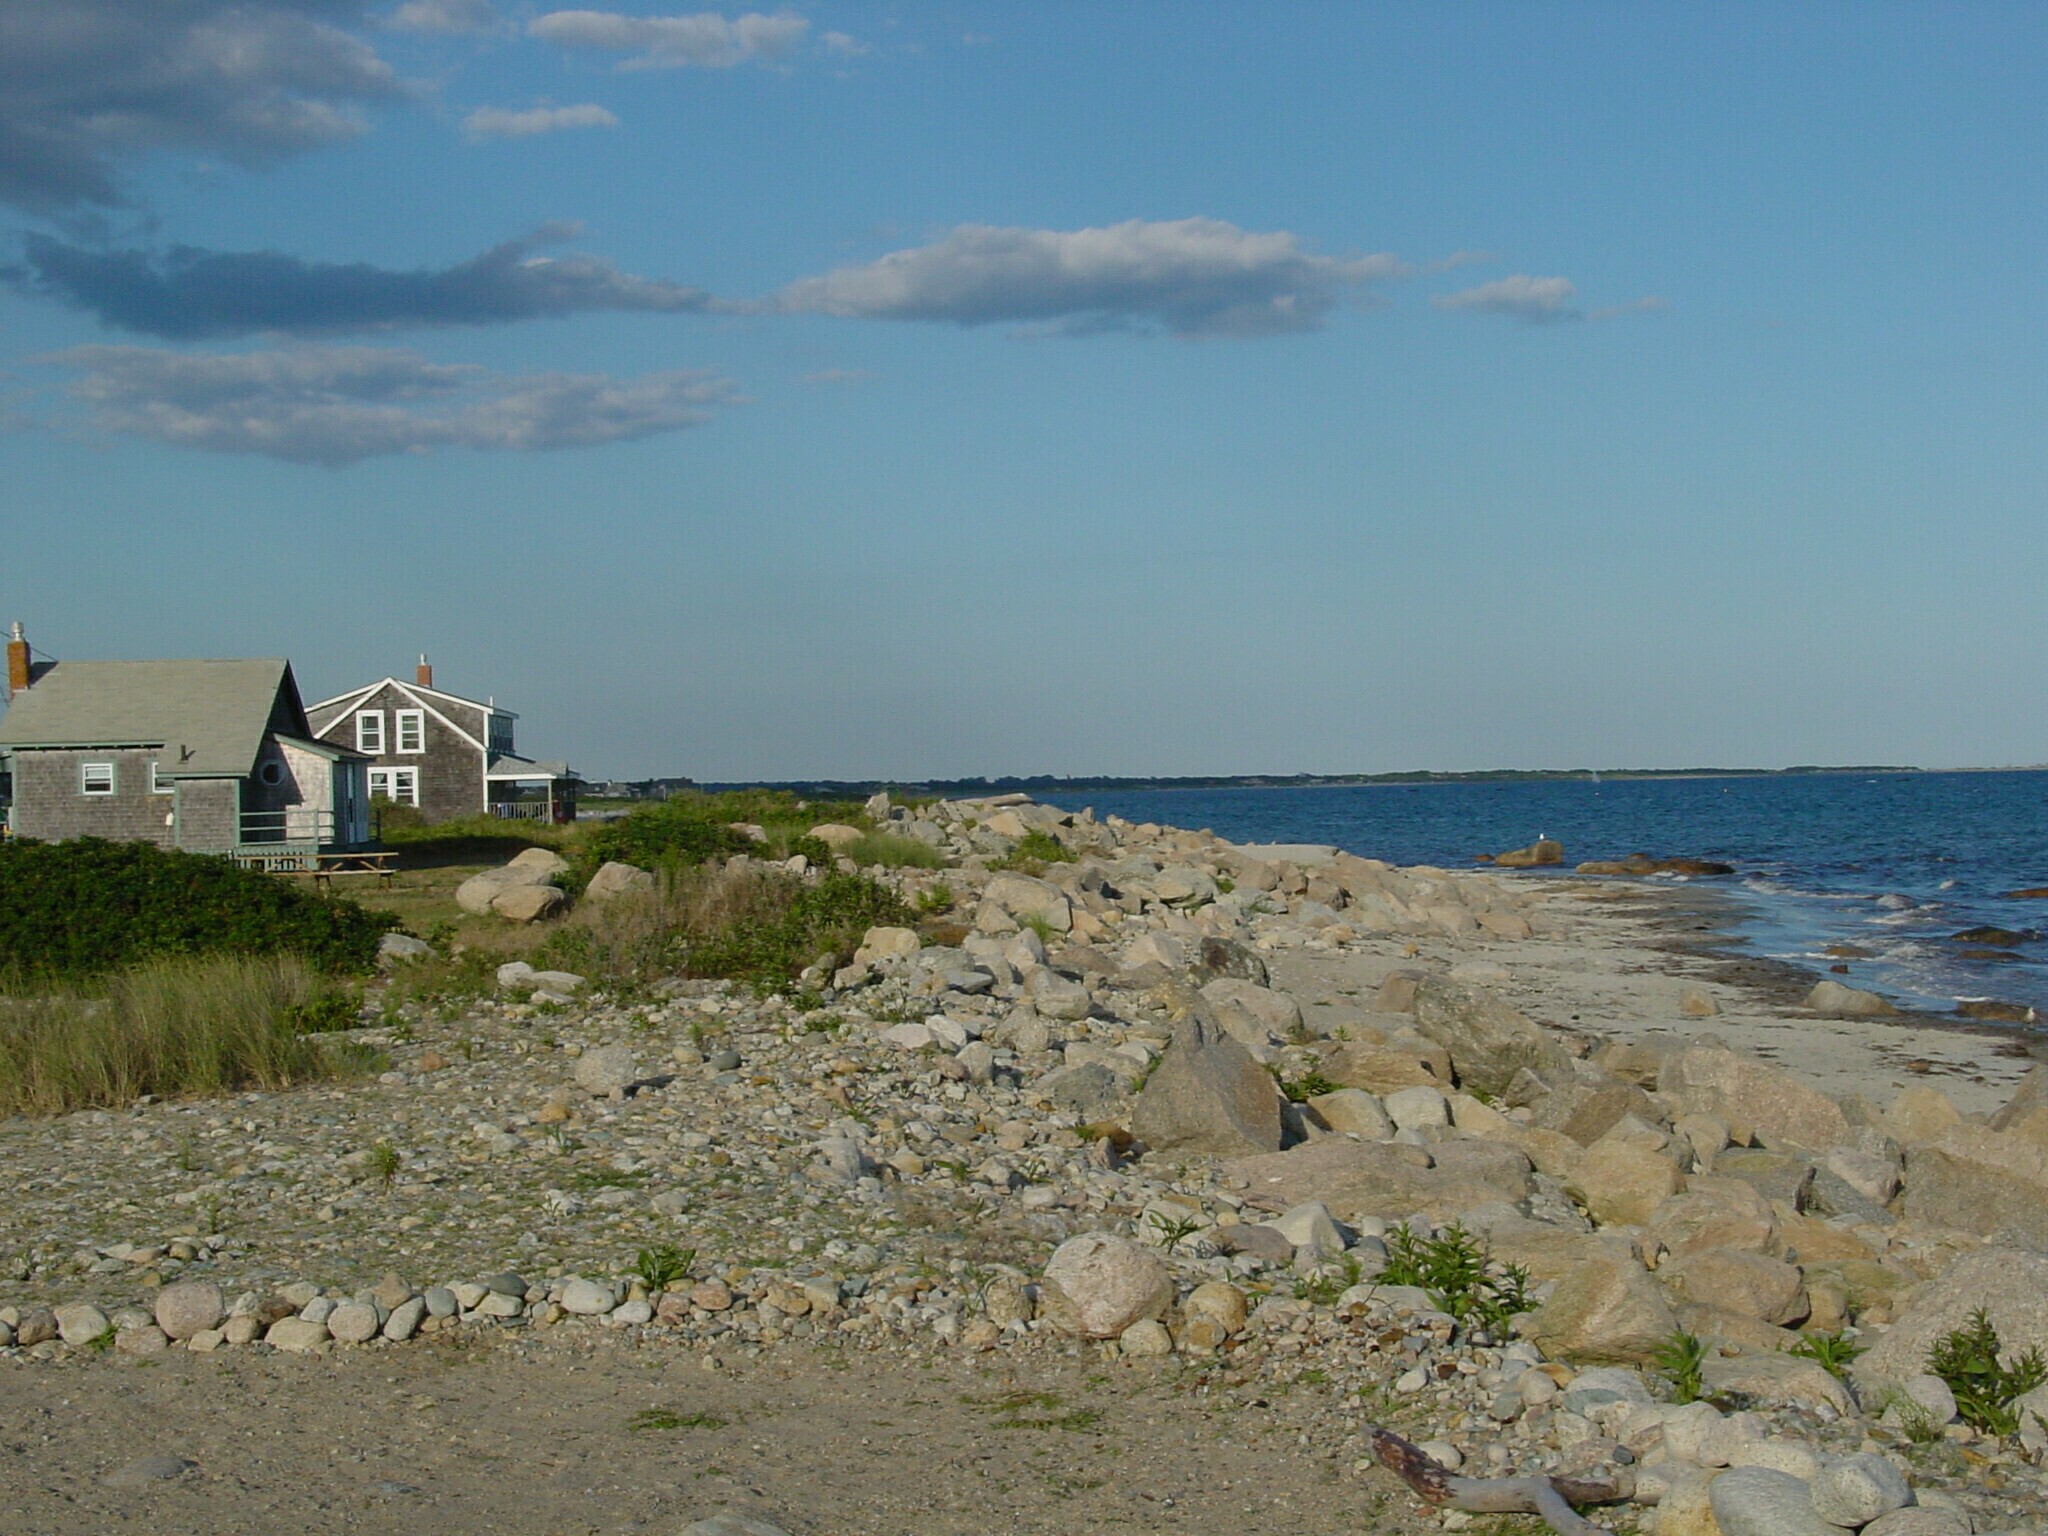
(295, 825)
(522, 810)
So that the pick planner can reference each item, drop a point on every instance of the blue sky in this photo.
(863, 390)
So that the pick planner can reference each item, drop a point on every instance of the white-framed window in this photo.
(401, 786)
(158, 784)
(95, 778)
(410, 727)
(370, 731)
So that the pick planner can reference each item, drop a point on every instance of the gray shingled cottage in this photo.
(448, 756)
(204, 756)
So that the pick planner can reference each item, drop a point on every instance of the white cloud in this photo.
(339, 405)
(844, 44)
(1519, 297)
(85, 84)
(841, 376)
(443, 16)
(505, 123)
(707, 39)
(1189, 277)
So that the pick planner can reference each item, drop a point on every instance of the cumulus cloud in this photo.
(845, 44)
(187, 293)
(502, 123)
(1520, 297)
(339, 405)
(85, 84)
(443, 16)
(706, 40)
(1188, 277)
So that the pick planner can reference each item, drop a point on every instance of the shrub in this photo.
(78, 909)
(1683, 1358)
(1459, 1276)
(827, 918)
(1985, 1387)
(170, 1027)
(669, 834)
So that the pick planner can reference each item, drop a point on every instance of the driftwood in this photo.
(1550, 1497)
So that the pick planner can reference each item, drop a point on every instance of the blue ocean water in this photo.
(1894, 863)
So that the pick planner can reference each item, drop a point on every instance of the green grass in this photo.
(892, 850)
(1681, 1358)
(1830, 1351)
(668, 1419)
(1033, 851)
(172, 1028)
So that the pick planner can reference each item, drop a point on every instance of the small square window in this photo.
(96, 778)
(158, 784)
(370, 731)
(410, 727)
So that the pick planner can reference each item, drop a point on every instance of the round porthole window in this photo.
(271, 773)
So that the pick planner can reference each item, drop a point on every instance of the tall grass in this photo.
(168, 1027)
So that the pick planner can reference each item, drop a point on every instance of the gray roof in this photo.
(209, 716)
(505, 766)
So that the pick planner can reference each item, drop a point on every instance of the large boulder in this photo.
(528, 903)
(1543, 852)
(1255, 1014)
(2011, 1286)
(1401, 1060)
(1589, 1108)
(1207, 1095)
(1621, 1182)
(1761, 1501)
(616, 879)
(1748, 1283)
(535, 867)
(1489, 1040)
(1751, 1097)
(1606, 1311)
(1831, 997)
(1988, 1182)
(1025, 898)
(1358, 1179)
(1714, 1212)
(1095, 1286)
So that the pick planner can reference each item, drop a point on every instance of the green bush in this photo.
(892, 850)
(79, 909)
(171, 1027)
(1034, 850)
(1458, 1274)
(669, 834)
(827, 918)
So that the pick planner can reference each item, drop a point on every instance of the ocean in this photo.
(1893, 863)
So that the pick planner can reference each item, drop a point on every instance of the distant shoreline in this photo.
(1045, 784)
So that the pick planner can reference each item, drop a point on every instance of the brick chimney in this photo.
(425, 676)
(17, 661)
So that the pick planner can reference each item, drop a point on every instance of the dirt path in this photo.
(503, 1437)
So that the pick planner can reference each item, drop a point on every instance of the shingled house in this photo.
(448, 756)
(204, 756)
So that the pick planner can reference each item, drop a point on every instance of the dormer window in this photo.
(370, 732)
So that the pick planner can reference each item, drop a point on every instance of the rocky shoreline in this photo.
(1167, 1101)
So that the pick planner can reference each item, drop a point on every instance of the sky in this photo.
(929, 390)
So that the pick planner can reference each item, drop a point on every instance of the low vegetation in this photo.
(1033, 851)
(1985, 1386)
(171, 1027)
(147, 903)
(1460, 1277)
(754, 924)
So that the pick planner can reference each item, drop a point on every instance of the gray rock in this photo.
(1857, 1489)
(1053, 996)
(189, 1307)
(1848, 1002)
(606, 1070)
(2010, 1284)
(441, 1302)
(405, 1319)
(81, 1323)
(1093, 1092)
(296, 1335)
(1208, 1095)
(397, 948)
(1756, 1501)
(1220, 958)
(1097, 1285)
(1920, 1522)
(354, 1322)
(587, 1298)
